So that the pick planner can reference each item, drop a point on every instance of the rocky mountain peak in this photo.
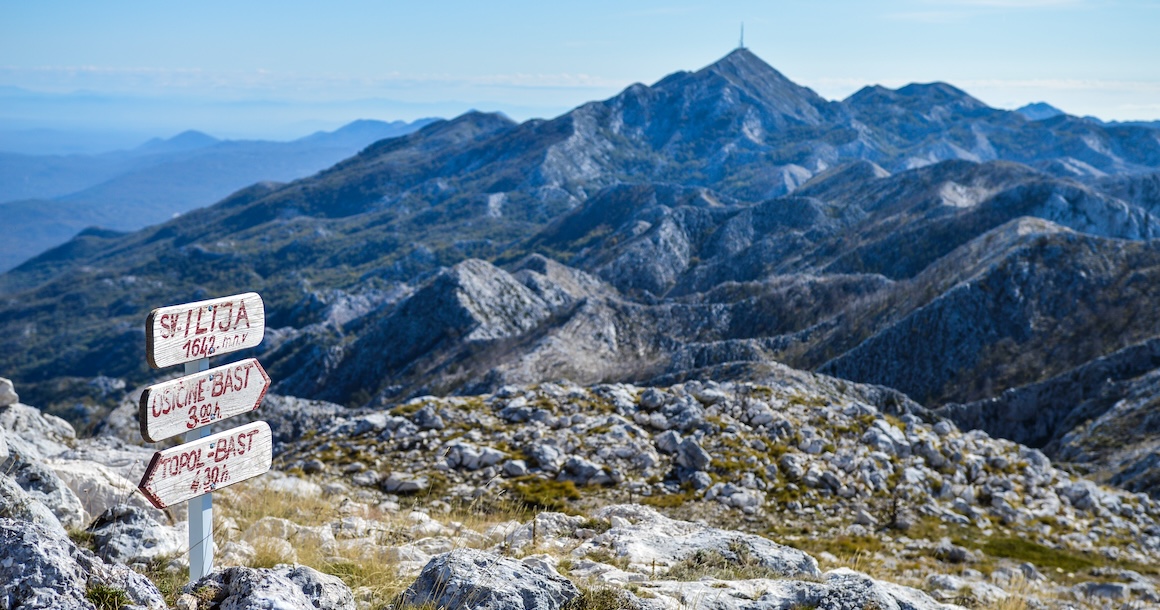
(742, 67)
(457, 131)
(918, 97)
(939, 93)
(740, 88)
(765, 86)
(187, 140)
(1039, 111)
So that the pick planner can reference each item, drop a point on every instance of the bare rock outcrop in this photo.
(468, 578)
(284, 586)
(42, 568)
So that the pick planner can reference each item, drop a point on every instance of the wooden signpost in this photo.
(182, 333)
(188, 403)
(190, 334)
(206, 464)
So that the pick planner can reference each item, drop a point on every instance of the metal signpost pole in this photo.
(201, 507)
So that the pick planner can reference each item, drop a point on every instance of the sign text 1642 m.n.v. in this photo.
(182, 333)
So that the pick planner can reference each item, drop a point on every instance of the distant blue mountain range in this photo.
(46, 199)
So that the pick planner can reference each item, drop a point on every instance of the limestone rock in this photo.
(692, 456)
(653, 539)
(42, 568)
(427, 419)
(546, 457)
(8, 394)
(467, 578)
(15, 503)
(42, 484)
(283, 587)
(515, 468)
(469, 457)
(292, 485)
(403, 483)
(668, 442)
(840, 589)
(277, 528)
(849, 589)
(128, 534)
(123, 458)
(98, 487)
(33, 434)
(583, 471)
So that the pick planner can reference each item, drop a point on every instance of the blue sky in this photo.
(269, 69)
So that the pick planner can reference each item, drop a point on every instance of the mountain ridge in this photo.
(710, 224)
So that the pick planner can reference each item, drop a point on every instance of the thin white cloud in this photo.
(1014, 4)
(950, 11)
(1061, 84)
(661, 11)
(1136, 108)
(854, 83)
(928, 16)
(583, 81)
(74, 77)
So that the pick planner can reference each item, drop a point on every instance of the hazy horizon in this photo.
(281, 71)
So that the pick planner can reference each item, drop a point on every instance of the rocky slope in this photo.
(823, 493)
(1098, 416)
(809, 263)
(704, 227)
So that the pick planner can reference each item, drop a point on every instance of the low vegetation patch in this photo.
(1019, 549)
(604, 598)
(737, 563)
(267, 554)
(598, 525)
(83, 539)
(248, 502)
(687, 494)
(383, 581)
(841, 546)
(169, 581)
(105, 597)
(606, 556)
(544, 494)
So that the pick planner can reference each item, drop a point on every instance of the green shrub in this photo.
(168, 581)
(1019, 549)
(83, 539)
(544, 494)
(600, 525)
(105, 597)
(605, 598)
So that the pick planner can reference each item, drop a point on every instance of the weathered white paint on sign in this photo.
(190, 402)
(182, 333)
(204, 465)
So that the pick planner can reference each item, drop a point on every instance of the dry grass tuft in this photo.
(248, 502)
(736, 564)
(602, 598)
(376, 582)
(1017, 594)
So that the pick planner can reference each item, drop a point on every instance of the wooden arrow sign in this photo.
(188, 403)
(204, 465)
(183, 333)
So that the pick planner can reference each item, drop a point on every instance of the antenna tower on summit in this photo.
(741, 44)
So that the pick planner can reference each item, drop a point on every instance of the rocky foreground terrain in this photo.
(790, 491)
